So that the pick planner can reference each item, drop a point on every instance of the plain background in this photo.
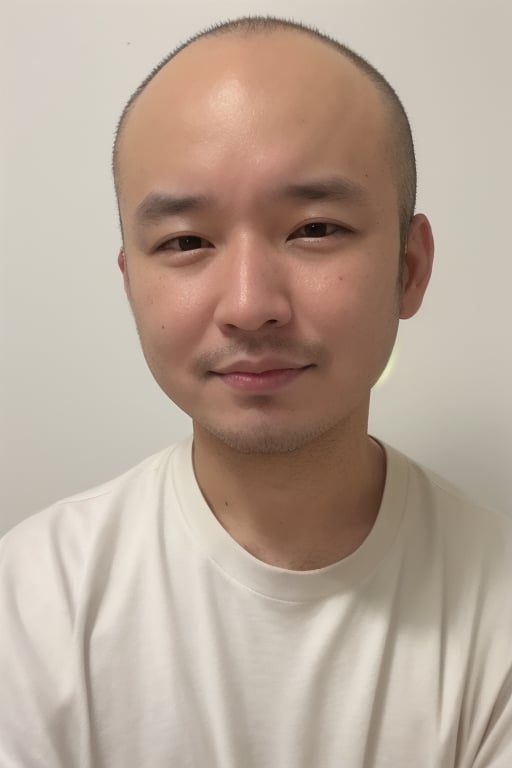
(77, 403)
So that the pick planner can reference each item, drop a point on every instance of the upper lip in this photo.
(259, 366)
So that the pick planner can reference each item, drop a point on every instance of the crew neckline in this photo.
(280, 583)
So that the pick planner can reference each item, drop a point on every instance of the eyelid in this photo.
(339, 229)
(160, 246)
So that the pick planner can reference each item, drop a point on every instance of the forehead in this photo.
(249, 109)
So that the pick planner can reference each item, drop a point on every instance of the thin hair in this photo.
(404, 160)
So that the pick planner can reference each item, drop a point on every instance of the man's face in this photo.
(266, 288)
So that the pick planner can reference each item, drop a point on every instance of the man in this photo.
(282, 589)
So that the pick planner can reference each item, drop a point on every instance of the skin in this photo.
(288, 470)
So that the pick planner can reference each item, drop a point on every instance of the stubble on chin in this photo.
(267, 439)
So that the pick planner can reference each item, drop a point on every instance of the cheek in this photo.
(363, 295)
(169, 316)
(357, 316)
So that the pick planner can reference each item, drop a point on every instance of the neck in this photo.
(300, 510)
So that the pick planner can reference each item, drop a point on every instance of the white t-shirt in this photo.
(136, 633)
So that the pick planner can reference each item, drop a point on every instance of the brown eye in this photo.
(316, 229)
(185, 243)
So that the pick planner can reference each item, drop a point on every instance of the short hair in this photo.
(403, 147)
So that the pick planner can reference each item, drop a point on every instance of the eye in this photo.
(185, 243)
(317, 230)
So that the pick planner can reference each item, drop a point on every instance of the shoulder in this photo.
(55, 541)
(55, 568)
(439, 502)
(57, 565)
(456, 513)
(452, 536)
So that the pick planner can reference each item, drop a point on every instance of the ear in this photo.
(417, 265)
(121, 263)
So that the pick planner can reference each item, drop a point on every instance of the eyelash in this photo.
(338, 230)
(162, 247)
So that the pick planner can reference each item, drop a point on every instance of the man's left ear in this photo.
(417, 265)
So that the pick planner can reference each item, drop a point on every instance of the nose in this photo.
(253, 287)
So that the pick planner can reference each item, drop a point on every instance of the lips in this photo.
(262, 376)
(265, 365)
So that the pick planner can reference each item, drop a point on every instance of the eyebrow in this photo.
(160, 205)
(335, 188)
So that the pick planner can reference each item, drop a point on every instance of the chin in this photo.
(267, 439)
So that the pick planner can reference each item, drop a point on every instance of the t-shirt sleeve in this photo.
(38, 710)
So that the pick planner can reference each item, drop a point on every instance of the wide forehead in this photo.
(248, 95)
(270, 58)
(288, 67)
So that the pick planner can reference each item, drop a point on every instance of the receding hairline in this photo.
(404, 157)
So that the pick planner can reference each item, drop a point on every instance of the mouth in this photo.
(260, 377)
(261, 365)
